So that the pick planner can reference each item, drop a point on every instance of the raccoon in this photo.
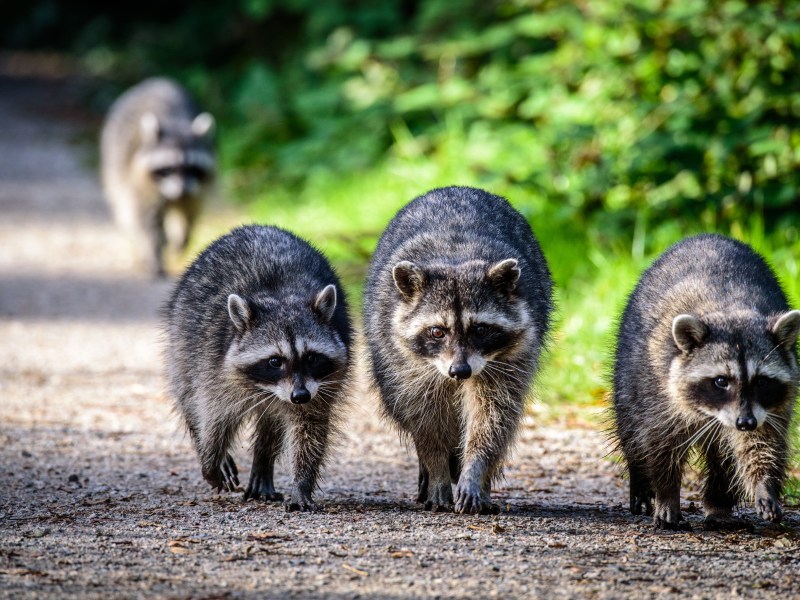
(157, 164)
(457, 308)
(706, 358)
(258, 330)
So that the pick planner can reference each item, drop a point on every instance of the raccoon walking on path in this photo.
(258, 330)
(158, 163)
(457, 306)
(706, 356)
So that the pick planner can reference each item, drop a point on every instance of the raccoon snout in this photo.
(460, 371)
(746, 423)
(300, 396)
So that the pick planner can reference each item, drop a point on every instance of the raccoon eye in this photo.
(436, 333)
(481, 330)
(312, 358)
(276, 362)
(195, 173)
(163, 172)
(721, 383)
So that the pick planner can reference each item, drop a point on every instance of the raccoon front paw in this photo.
(440, 498)
(470, 500)
(768, 508)
(641, 504)
(230, 474)
(300, 502)
(223, 477)
(667, 517)
(261, 488)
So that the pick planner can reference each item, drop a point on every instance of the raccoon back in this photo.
(461, 224)
(701, 274)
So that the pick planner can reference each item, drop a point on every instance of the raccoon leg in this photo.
(641, 493)
(266, 448)
(310, 434)
(178, 221)
(435, 489)
(761, 462)
(148, 241)
(422, 486)
(492, 418)
(667, 488)
(454, 466)
(213, 439)
(718, 495)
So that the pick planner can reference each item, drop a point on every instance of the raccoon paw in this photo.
(223, 477)
(641, 505)
(299, 502)
(726, 523)
(230, 474)
(440, 498)
(667, 517)
(471, 500)
(260, 488)
(768, 509)
(679, 525)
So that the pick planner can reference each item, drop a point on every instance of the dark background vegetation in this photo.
(616, 112)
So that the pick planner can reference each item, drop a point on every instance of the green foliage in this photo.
(620, 114)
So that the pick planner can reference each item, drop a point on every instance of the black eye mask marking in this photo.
(270, 370)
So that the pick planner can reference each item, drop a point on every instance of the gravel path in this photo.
(101, 496)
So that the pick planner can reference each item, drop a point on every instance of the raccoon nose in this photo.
(747, 423)
(300, 396)
(460, 371)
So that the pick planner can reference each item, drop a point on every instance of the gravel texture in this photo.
(101, 495)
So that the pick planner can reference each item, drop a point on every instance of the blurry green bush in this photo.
(609, 110)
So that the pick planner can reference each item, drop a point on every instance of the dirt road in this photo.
(101, 496)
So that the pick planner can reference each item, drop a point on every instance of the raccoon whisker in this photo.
(505, 373)
(778, 345)
(257, 404)
(243, 401)
(778, 423)
(688, 444)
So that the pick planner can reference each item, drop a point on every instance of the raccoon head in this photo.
(177, 155)
(460, 318)
(739, 368)
(287, 348)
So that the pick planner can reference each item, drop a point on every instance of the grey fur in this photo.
(157, 165)
(706, 357)
(255, 295)
(453, 254)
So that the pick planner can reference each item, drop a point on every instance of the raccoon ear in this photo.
(325, 302)
(504, 275)
(786, 328)
(150, 127)
(688, 332)
(408, 278)
(239, 311)
(203, 125)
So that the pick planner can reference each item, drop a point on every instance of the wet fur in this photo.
(462, 430)
(658, 415)
(280, 276)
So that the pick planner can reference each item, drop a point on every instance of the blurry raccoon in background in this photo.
(158, 162)
(457, 308)
(706, 356)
